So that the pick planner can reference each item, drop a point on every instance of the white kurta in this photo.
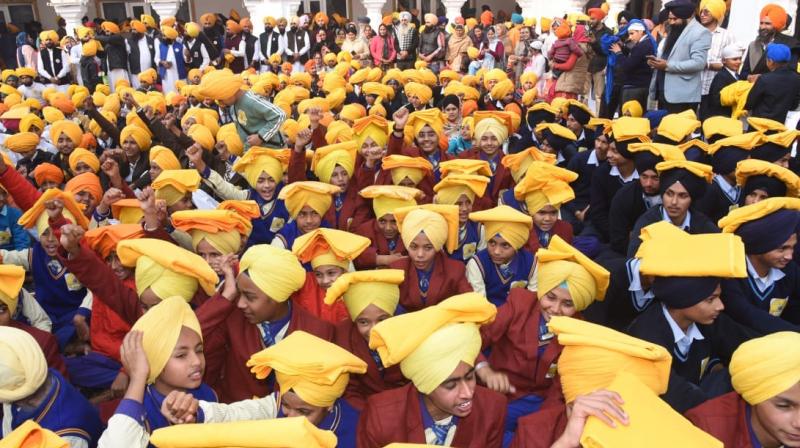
(171, 74)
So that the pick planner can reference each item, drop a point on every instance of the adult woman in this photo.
(382, 48)
(322, 45)
(492, 51)
(357, 46)
(457, 49)
(572, 82)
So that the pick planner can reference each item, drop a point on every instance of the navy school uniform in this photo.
(626, 207)
(469, 237)
(604, 186)
(507, 198)
(342, 420)
(698, 223)
(692, 380)
(274, 217)
(584, 163)
(720, 199)
(626, 298)
(64, 411)
(498, 281)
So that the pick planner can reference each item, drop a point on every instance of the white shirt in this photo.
(641, 298)
(615, 172)
(683, 341)
(731, 191)
(686, 221)
(593, 159)
(763, 283)
(720, 38)
(145, 60)
(430, 436)
(56, 54)
(652, 201)
(241, 52)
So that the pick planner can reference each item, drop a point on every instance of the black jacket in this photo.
(774, 94)
(626, 207)
(723, 79)
(698, 223)
(603, 188)
(133, 56)
(116, 53)
(636, 72)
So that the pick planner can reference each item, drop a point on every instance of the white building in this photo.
(743, 20)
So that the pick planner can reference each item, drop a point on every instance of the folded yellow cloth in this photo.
(760, 209)
(388, 198)
(317, 195)
(466, 166)
(31, 435)
(545, 184)
(561, 263)
(754, 167)
(334, 247)
(287, 432)
(378, 287)
(438, 222)
(511, 224)
(518, 163)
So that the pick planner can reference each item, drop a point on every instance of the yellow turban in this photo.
(465, 166)
(161, 327)
(388, 198)
(725, 126)
(316, 370)
(518, 163)
(450, 188)
(168, 270)
(327, 158)
(11, 280)
(23, 367)
(169, 32)
(322, 247)
(22, 142)
(374, 127)
(30, 435)
(501, 89)
(717, 8)
(49, 35)
(202, 136)
(275, 271)
(69, 128)
(220, 85)
(82, 155)
(328, 58)
(765, 125)
(676, 127)
(36, 215)
(511, 224)
(735, 95)
(338, 131)
(421, 118)
(164, 158)
(753, 167)
(259, 160)
(360, 289)
(141, 136)
(764, 367)
(28, 121)
(303, 78)
(336, 98)
(439, 222)
(627, 128)
(494, 74)
(110, 27)
(291, 432)
(632, 108)
(492, 126)
(317, 195)
(26, 71)
(222, 229)
(421, 91)
(594, 354)
(352, 112)
(415, 168)
(545, 184)
(561, 263)
(430, 343)
(173, 185)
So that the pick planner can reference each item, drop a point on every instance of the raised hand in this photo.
(71, 236)
(400, 118)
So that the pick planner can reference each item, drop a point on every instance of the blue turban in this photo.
(516, 18)
(683, 292)
(778, 53)
(770, 232)
(682, 9)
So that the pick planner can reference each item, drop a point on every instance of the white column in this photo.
(453, 8)
(255, 10)
(615, 7)
(744, 18)
(374, 8)
(165, 8)
(292, 7)
(71, 11)
(530, 8)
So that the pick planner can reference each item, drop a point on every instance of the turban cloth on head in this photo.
(501, 89)
(439, 223)
(421, 91)
(492, 126)
(275, 271)
(317, 195)
(322, 247)
(752, 174)
(230, 136)
(518, 163)
(327, 158)
(164, 158)
(192, 30)
(47, 172)
(168, 270)
(632, 108)
(545, 184)
(233, 26)
(220, 85)
(169, 32)
(148, 76)
(388, 198)
(27, 122)
(259, 160)
(647, 155)
(88, 182)
(173, 185)
(140, 135)
(104, 239)
(512, 225)
(22, 142)
(30, 435)
(415, 168)
(694, 176)
(764, 367)
(23, 367)
(202, 136)
(374, 127)
(68, 128)
(776, 14)
(161, 327)
(421, 118)
(717, 8)
(450, 188)
(778, 53)
(110, 27)
(222, 229)
(316, 370)
(363, 288)
(11, 280)
(138, 26)
(37, 216)
(765, 225)
(429, 344)
(682, 9)
(82, 155)
(561, 263)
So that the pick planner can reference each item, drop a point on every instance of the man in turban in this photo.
(773, 20)
(775, 93)
(116, 53)
(407, 40)
(686, 46)
(271, 41)
(247, 51)
(169, 59)
(202, 52)
(298, 44)
(597, 64)
(432, 45)
(52, 62)
(141, 49)
(712, 13)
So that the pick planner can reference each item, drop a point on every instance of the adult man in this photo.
(169, 59)
(773, 21)
(681, 60)
(775, 93)
(597, 65)
(407, 39)
(52, 60)
(712, 12)
(199, 51)
(298, 44)
(116, 57)
(141, 50)
(432, 43)
(248, 47)
(271, 42)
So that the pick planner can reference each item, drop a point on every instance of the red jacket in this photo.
(373, 381)
(230, 339)
(449, 277)
(560, 228)
(395, 416)
(542, 428)
(725, 418)
(108, 329)
(48, 344)
(379, 245)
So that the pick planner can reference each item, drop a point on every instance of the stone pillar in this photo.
(374, 8)
(615, 7)
(744, 17)
(165, 8)
(453, 8)
(71, 11)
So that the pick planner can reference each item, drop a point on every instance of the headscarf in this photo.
(275, 271)
(259, 160)
(439, 223)
(23, 367)
(430, 343)
(561, 264)
(764, 367)
(360, 289)
(322, 247)
(161, 327)
(509, 223)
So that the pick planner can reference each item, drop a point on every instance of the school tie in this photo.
(440, 432)
(269, 339)
(392, 244)
(338, 201)
(377, 358)
(544, 239)
(505, 270)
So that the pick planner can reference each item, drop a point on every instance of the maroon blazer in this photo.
(230, 339)
(514, 340)
(725, 418)
(560, 228)
(379, 245)
(48, 344)
(449, 278)
(395, 416)
(542, 428)
(373, 381)
(501, 180)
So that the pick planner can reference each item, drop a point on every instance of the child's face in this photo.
(184, 369)
(371, 316)
(707, 311)
(546, 218)
(732, 63)
(500, 251)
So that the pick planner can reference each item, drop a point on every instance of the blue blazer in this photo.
(685, 64)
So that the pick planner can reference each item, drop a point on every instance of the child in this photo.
(307, 203)
(543, 190)
(564, 48)
(386, 244)
(12, 235)
(461, 190)
(505, 263)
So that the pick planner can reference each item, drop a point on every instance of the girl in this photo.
(491, 50)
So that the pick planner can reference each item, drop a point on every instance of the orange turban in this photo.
(487, 18)
(776, 14)
(45, 172)
(88, 182)
(233, 26)
(138, 26)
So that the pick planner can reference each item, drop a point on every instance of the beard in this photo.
(765, 35)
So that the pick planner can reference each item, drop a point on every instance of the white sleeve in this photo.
(157, 49)
(16, 257)
(76, 442)
(40, 66)
(474, 277)
(206, 57)
(124, 431)
(64, 65)
(225, 189)
(278, 242)
(239, 52)
(533, 283)
(257, 409)
(88, 300)
(35, 313)
(282, 44)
